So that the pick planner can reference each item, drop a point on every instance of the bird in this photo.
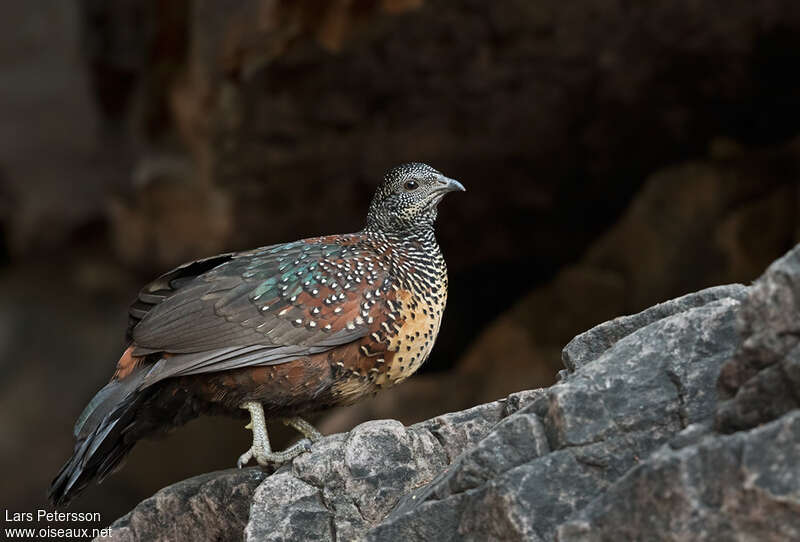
(276, 332)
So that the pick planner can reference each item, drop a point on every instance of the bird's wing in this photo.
(262, 307)
(166, 285)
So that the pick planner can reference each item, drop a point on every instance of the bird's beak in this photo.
(446, 184)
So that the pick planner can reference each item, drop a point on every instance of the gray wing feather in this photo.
(237, 314)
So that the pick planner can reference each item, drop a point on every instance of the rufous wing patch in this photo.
(126, 364)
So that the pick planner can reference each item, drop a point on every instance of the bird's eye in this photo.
(411, 185)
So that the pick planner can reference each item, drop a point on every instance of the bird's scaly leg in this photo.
(303, 427)
(261, 450)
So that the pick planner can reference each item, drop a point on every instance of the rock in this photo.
(213, 506)
(516, 468)
(588, 346)
(740, 486)
(581, 434)
(349, 483)
(624, 447)
(762, 380)
(744, 486)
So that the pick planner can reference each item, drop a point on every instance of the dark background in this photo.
(616, 154)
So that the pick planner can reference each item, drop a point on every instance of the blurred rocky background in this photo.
(616, 155)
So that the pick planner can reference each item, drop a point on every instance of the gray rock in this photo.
(550, 458)
(624, 447)
(348, 484)
(743, 487)
(590, 345)
(762, 380)
(212, 506)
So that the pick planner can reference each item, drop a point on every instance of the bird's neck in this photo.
(413, 256)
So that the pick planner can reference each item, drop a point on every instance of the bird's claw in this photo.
(245, 458)
(261, 450)
(265, 458)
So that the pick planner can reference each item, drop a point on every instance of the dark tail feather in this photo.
(100, 433)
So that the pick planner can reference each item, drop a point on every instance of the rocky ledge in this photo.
(677, 423)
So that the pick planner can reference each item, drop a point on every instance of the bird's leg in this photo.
(261, 450)
(303, 427)
(260, 437)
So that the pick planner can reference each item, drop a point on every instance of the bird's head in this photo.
(407, 198)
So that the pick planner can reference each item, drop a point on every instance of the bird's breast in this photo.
(419, 317)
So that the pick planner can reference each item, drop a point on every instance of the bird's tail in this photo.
(101, 433)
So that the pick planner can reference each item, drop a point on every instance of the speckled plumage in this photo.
(295, 327)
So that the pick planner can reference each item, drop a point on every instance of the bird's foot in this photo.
(264, 458)
(303, 427)
(261, 450)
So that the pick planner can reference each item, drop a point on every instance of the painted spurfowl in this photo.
(279, 331)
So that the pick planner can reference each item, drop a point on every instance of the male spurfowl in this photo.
(279, 331)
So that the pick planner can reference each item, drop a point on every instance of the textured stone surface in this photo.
(553, 456)
(213, 506)
(588, 346)
(624, 447)
(743, 487)
(762, 380)
(349, 483)
(706, 486)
